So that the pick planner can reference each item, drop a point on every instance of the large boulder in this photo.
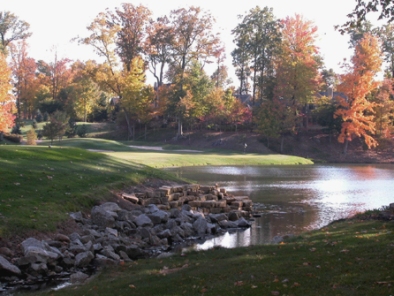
(200, 226)
(83, 259)
(40, 251)
(102, 217)
(143, 221)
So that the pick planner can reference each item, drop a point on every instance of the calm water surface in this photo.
(296, 198)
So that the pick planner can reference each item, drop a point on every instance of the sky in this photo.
(54, 22)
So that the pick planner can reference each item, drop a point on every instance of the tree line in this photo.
(282, 86)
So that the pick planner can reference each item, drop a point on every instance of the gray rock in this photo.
(171, 224)
(78, 277)
(4, 251)
(40, 250)
(143, 221)
(188, 229)
(200, 226)
(162, 215)
(124, 256)
(215, 218)
(111, 231)
(233, 216)
(62, 238)
(39, 267)
(110, 206)
(156, 220)
(74, 236)
(83, 259)
(241, 222)
(109, 253)
(5, 265)
(228, 224)
(165, 234)
(150, 209)
(77, 216)
(102, 217)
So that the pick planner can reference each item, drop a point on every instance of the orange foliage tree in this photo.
(6, 116)
(356, 111)
(297, 66)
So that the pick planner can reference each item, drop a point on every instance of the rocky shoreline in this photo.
(145, 224)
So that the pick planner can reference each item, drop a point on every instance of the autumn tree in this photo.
(158, 47)
(84, 91)
(24, 77)
(384, 109)
(297, 71)
(193, 40)
(137, 97)
(356, 111)
(6, 116)
(11, 29)
(131, 24)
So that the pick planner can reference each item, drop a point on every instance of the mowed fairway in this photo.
(161, 159)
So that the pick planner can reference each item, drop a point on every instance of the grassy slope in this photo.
(39, 186)
(347, 258)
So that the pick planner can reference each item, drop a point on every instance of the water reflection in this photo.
(307, 196)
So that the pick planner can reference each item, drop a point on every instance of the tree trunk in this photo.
(129, 128)
(145, 131)
(282, 141)
(345, 147)
(134, 132)
(180, 129)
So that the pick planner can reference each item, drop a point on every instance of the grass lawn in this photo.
(39, 186)
(345, 258)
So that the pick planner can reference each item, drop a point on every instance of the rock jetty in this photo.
(152, 223)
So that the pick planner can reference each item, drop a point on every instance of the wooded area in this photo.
(283, 85)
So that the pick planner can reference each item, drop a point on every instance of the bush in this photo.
(16, 129)
(34, 124)
(13, 137)
(31, 137)
(39, 117)
(81, 131)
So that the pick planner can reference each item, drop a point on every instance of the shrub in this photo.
(16, 129)
(39, 117)
(34, 124)
(31, 137)
(13, 137)
(81, 131)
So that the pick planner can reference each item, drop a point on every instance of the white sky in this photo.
(56, 22)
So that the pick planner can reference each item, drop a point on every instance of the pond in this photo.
(296, 198)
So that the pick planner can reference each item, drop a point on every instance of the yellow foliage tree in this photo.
(6, 116)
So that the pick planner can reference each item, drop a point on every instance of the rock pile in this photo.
(157, 221)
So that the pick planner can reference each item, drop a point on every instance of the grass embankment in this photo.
(40, 185)
(346, 258)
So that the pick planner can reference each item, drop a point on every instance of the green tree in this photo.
(385, 9)
(56, 126)
(259, 40)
